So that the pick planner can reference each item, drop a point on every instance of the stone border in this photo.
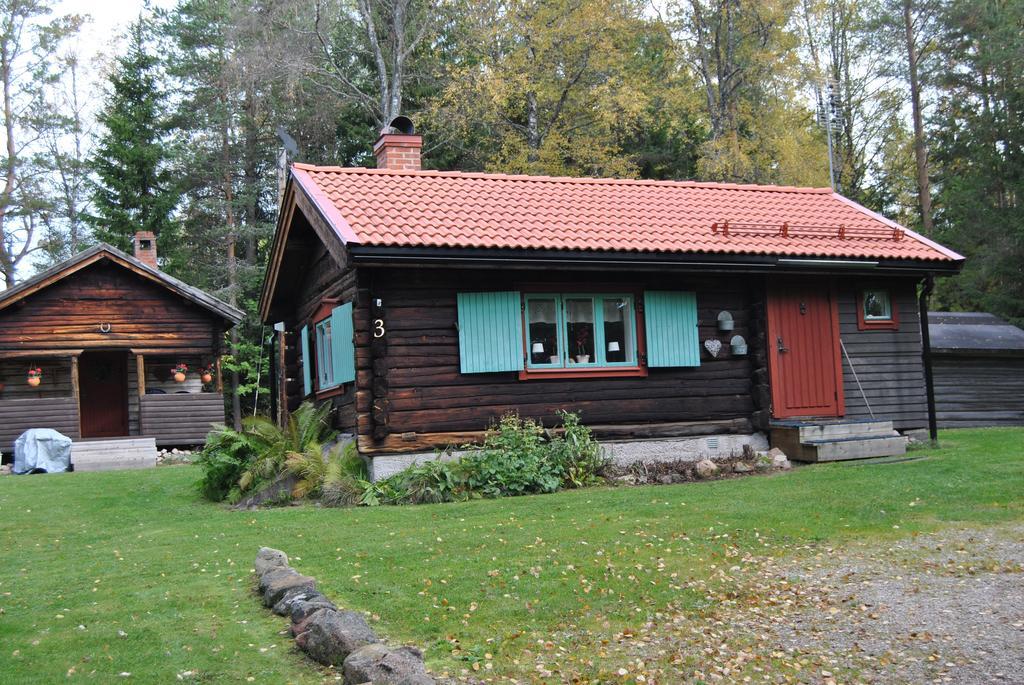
(333, 636)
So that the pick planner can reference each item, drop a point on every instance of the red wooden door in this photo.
(103, 392)
(803, 345)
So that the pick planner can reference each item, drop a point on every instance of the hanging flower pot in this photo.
(179, 372)
(35, 376)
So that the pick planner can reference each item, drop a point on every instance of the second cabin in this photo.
(675, 317)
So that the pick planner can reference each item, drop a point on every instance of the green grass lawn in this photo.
(131, 573)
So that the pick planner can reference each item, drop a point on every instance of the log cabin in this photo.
(106, 331)
(675, 317)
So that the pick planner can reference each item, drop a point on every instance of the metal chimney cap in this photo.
(402, 125)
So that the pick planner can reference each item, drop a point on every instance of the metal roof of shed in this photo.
(974, 332)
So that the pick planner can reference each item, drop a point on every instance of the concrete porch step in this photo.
(853, 448)
(114, 453)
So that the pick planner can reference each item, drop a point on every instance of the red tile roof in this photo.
(382, 207)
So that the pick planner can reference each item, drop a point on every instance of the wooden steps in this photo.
(814, 441)
(113, 454)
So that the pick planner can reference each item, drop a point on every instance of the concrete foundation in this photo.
(621, 452)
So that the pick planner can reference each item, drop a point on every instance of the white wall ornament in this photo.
(713, 346)
(738, 345)
(725, 322)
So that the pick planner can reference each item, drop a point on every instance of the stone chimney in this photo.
(145, 248)
(398, 147)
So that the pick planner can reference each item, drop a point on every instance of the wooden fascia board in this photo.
(284, 222)
(323, 227)
(21, 354)
(328, 224)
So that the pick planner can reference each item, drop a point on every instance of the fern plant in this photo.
(238, 462)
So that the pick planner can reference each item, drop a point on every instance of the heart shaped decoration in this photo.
(713, 346)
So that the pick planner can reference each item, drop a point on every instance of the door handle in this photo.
(779, 346)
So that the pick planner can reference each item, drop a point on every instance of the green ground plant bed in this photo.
(134, 573)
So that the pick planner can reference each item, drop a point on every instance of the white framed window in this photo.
(580, 330)
(877, 305)
(324, 355)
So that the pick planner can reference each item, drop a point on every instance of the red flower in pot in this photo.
(179, 372)
(35, 376)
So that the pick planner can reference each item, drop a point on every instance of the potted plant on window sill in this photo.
(581, 347)
(35, 376)
(207, 375)
(179, 372)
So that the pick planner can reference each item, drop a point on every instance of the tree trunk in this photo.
(924, 197)
(232, 239)
(533, 140)
(8, 265)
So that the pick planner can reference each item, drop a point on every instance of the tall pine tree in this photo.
(134, 191)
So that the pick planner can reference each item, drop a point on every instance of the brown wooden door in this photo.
(803, 345)
(103, 389)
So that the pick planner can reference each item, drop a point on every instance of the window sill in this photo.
(601, 372)
(878, 325)
(332, 391)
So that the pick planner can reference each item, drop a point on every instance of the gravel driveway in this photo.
(946, 607)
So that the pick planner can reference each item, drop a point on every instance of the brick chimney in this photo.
(398, 147)
(145, 248)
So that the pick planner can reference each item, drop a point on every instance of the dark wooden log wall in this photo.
(56, 380)
(888, 362)
(426, 393)
(180, 419)
(141, 314)
(323, 279)
(17, 416)
(978, 390)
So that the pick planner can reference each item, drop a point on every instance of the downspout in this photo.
(926, 356)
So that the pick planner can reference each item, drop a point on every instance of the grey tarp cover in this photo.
(42, 448)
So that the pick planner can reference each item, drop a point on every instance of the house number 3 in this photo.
(378, 328)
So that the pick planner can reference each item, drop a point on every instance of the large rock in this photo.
(742, 467)
(276, 583)
(331, 635)
(302, 611)
(297, 594)
(779, 460)
(268, 558)
(706, 468)
(383, 665)
(278, 491)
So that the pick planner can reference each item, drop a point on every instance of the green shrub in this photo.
(431, 482)
(515, 460)
(238, 462)
(223, 460)
(578, 455)
(343, 475)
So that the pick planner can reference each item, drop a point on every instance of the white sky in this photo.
(102, 36)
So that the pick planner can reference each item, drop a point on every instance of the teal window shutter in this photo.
(670, 320)
(490, 332)
(344, 352)
(307, 375)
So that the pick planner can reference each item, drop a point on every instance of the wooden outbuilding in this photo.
(104, 332)
(978, 362)
(673, 316)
